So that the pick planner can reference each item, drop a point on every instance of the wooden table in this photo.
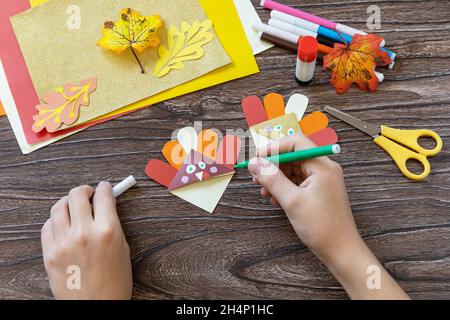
(247, 248)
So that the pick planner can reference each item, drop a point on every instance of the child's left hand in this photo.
(85, 251)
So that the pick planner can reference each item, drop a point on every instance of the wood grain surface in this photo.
(247, 248)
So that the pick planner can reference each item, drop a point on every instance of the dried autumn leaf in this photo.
(63, 106)
(356, 62)
(133, 31)
(183, 45)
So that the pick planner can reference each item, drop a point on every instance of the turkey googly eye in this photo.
(202, 165)
(190, 169)
(278, 128)
(291, 132)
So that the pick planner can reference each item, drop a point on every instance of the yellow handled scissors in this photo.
(401, 145)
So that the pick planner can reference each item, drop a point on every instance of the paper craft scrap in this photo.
(185, 44)
(63, 106)
(254, 110)
(188, 138)
(276, 103)
(43, 38)
(266, 128)
(207, 143)
(324, 137)
(356, 63)
(298, 104)
(313, 122)
(228, 151)
(133, 31)
(161, 172)
(2, 111)
(194, 174)
(174, 153)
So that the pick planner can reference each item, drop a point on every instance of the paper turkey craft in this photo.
(199, 169)
(271, 121)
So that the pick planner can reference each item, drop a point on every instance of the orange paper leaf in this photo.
(313, 123)
(207, 143)
(174, 153)
(356, 62)
(63, 106)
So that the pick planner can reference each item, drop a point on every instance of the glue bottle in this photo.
(306, 60)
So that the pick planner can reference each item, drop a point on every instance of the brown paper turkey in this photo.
(198, 167)
(272, 120)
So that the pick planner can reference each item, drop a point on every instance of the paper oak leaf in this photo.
(183, 45)
(63, 106)
(356, 62)
(133, 31)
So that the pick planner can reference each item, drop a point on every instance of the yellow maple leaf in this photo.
(183, 45)
(133, 31)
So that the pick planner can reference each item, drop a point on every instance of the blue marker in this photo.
(333, 35)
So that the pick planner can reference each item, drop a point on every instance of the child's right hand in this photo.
(314, 198)
(312, 193)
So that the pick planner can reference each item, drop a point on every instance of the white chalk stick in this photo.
(123, 186)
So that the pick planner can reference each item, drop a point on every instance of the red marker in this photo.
(306, 60)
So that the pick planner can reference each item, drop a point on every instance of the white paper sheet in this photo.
(248, 16)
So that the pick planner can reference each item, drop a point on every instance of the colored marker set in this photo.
(269, 4)
(312, 37)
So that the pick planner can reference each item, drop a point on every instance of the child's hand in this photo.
(80, 240)
(312, 193)
(314, 198)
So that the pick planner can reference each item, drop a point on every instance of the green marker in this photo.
(298, 155)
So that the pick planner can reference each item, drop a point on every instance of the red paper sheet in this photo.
(19, 79)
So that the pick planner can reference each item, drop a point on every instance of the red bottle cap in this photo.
(307, 49)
